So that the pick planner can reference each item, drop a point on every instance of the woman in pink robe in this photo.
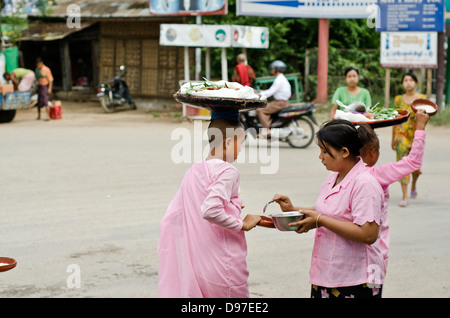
(202, 248)
(391, 172)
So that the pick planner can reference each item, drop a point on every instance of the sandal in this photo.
(403, 203)
(413, 194)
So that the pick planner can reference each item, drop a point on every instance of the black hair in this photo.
(221, 125)
(412, 75)
(39, 60)
(351, 68)
(368, 138)
(5, 74)
(338, 134)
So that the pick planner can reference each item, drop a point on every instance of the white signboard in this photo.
(203, 35)
(195, 35)
(408, 49)
(326, 9)
(249, 37)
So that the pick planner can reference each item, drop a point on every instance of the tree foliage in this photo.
(16, 19)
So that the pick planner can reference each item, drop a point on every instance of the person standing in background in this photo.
(350, 93)
(45, 83)
(243, 73)
(403, 134)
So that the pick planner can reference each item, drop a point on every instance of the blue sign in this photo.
(411, 15)
(326, 9)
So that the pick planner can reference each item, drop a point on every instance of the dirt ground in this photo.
(82, 198)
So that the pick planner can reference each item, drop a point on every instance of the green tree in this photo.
(12, 24)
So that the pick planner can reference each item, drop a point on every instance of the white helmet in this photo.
(278, 66)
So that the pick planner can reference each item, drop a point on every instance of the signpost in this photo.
(322, 9)
(411, 15)
(408, 49)
(411, 40)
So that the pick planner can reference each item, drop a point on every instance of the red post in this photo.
(322, 61)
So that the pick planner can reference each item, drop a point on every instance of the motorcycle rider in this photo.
(280, 90)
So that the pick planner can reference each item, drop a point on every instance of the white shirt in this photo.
(280, 89)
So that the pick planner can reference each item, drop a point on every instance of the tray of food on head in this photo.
(221, 95)
(427, 105)
(374, 116)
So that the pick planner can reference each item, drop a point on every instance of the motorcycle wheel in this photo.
(303, 133)
(107, 104)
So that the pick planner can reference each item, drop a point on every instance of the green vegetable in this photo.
(382, 113)
(205, 84)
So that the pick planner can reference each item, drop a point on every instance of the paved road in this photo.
(82, 197)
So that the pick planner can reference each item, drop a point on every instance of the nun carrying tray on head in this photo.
(202, 248)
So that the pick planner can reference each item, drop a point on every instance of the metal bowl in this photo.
(282, 219)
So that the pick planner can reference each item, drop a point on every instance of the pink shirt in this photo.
(394, 171)
(202, 250)
(339, 262)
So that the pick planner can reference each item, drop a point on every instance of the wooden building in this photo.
(106, 35)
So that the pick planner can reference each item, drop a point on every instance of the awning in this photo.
(50, 31)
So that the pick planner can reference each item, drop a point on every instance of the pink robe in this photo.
(202, 250)
(394, 171)
(337, 261)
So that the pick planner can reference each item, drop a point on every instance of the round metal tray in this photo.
(216, 103)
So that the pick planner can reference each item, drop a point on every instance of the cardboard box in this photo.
(7, 88)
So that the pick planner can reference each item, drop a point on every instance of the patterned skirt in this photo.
(358, 291)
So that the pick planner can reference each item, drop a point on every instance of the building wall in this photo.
(152, 70)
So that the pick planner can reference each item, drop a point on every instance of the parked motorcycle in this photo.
(115, 93)
(293, 124)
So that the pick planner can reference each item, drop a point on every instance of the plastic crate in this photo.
(17, 100)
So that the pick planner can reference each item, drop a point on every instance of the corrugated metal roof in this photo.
(102, 9)
(50, 31)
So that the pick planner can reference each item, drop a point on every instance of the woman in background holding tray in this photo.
(350, 93)
(403, 134)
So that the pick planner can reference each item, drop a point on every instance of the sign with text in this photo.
(188, 7)
(205, 35)
(326, 9)
(408, 49)
(411, 15)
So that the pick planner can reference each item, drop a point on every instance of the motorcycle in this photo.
(293, 124)
(115, 93)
